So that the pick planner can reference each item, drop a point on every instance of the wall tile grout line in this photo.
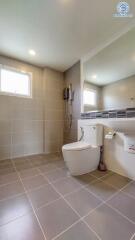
(31, 204)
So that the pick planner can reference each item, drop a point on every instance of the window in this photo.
(89, 97)
(15, 82)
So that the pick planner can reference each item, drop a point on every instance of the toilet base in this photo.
(80, 162)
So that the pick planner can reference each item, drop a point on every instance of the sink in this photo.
(123, 125)
(127, 127)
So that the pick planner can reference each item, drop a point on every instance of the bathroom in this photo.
(67, 120)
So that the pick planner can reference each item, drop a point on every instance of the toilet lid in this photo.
(76, 146)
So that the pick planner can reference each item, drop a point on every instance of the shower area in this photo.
(73, 104)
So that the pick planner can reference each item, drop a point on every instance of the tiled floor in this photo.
(39, 200)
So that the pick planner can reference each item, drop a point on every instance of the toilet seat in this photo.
(76, 146)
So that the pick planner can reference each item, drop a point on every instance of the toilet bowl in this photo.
(83, 156)
(80, 157)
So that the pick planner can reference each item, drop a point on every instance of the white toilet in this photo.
(83, 156)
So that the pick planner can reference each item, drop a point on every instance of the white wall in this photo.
(115, 157)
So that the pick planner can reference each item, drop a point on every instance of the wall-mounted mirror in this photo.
(109, 76)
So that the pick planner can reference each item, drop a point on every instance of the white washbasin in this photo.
(123, 125)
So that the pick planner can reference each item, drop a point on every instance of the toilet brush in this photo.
(102, 166)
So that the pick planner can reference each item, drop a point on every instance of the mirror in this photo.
(109, 76)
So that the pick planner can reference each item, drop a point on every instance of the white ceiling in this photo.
(60, 31)
(115, 62)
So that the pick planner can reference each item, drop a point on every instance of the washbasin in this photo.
(123, 125)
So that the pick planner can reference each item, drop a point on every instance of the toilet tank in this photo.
(90, 133)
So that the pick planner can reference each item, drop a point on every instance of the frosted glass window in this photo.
(89, 97)
(15, 82)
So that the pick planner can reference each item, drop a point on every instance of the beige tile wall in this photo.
(23, 130)
(73, 76)
(53, 85)
(119, 94)
(21, 119)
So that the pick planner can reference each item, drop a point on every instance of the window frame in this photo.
(16, 70)
(90, 90)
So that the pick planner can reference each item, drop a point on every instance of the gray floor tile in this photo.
(130, 189)
(37, 162)
(125, 204)
(6, 164)
(35, 157)
(48, 168)
(43, 195)
(67, 185)
(133, 237)
(21, 160)
(100, 174)
(83, 201)
(22, 166)
(54, 213)
(85, 179)
(43, 159)
(23, 228)
(28, 173)
(5, 171)
(13, 208)
(101, 189)
(57, 174)
(58, 157)
(116, 180)
(80, 231)
(109, 224)
(8, 178)
(56, 217)
(60, 164)
(34, 182)
(49, 156)
(11, 190)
